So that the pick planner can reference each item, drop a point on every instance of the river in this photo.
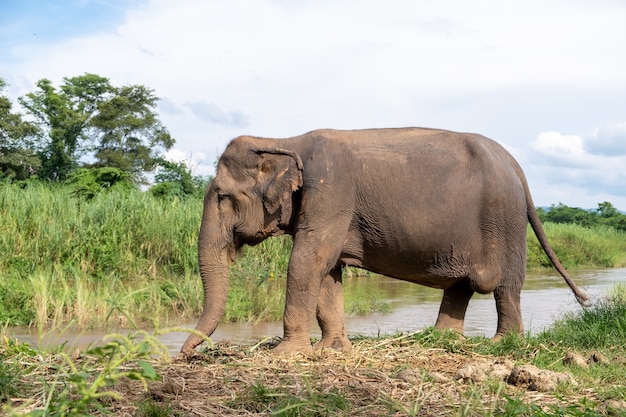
(545, 297)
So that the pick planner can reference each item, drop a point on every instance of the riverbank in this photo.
(575, 368)
(125, 258)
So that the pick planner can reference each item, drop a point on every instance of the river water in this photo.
(545, 297)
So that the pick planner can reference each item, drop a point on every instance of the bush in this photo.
(89, 182)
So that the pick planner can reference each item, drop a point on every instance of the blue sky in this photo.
(23, 20)
(545, 79)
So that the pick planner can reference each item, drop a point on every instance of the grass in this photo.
(126, 234)
(68, 260)
(600, 327)
(415, 374)
(578, 246)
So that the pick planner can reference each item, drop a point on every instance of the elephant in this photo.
(439, 208)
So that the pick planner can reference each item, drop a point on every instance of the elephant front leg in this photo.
(453, 306)
(307, 267)
(330, 313)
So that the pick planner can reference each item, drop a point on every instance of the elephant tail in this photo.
(535, 223)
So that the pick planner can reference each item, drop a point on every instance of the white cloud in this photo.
(196, 162)
(608, 140)
(280, 68)
(212, 113)
(566, 170)
(564, 149)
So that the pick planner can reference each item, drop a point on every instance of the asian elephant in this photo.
(438, 208)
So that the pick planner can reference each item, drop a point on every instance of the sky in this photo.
(546, 79)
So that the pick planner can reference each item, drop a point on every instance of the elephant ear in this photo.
(280, 175)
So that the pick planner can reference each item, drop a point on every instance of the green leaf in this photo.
(148, 370)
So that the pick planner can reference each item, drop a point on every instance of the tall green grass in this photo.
(64, 259)
(578, 246)
(129, 234)
(127, 253)
(601, 327)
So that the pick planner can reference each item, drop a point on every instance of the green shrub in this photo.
(89, 182)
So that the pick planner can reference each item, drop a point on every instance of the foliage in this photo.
(89, 182)
(87, 115)
(17, 159)
(311, 401)
(174, 179)
(11, 372)
(601, 327)
(408, 374)
(83, 388)
(576, 245)
(14, 304)
(69, 259)
(64, 115)
(153, 408)
(606, 214)
(131, 135)
(120, 233)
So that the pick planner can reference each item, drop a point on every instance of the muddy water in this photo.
(544, 298)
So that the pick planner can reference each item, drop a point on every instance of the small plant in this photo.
(78, 389)
(151, 408)
(11, 371)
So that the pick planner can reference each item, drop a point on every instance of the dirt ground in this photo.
(377, 378)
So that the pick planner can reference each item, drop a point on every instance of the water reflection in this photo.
(545, 297)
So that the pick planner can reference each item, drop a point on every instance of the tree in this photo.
(607, 210)
(89, 182)
(65, 116)
(87, 116)
(563, 214)
(131, 136)
(611, 216)
(174, 179)
(17, 157)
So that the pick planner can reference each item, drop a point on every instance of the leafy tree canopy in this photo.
(88, 117)
(174, 179)
(17, 157)
(130, 134)
(605, 214)
(89, 182)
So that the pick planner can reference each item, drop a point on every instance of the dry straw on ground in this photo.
(378, 377)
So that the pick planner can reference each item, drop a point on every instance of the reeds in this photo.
(129, 234)
(127, 254)
(578, 246)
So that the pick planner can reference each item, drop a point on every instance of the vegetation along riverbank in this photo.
(574, 368)
(125, 256)
(82, 245)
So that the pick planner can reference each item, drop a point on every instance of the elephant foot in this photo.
(287, 346)
(500, 334)
(449, 327)
(340, 343)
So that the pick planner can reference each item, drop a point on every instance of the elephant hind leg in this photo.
(330, 313)
(454, 305)
(509, 311)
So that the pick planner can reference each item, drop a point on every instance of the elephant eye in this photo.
(221, 197)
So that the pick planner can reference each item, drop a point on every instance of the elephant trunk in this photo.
(214, 252)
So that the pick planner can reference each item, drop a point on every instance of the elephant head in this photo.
(250, 199)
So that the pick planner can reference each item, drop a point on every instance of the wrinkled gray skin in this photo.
(438, 208)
